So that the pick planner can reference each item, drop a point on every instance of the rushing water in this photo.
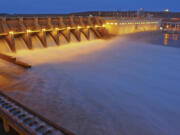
(125, 86)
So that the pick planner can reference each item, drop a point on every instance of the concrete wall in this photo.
(118, 27)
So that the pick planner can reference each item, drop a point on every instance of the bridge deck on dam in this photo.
(121, 86)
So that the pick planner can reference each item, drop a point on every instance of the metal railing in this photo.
(25, 121)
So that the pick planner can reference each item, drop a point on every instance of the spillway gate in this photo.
(27, 29)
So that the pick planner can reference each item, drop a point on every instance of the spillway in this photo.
(62, 39)
(36, 43)
(92, 35)
(50, 41)
(20, 44)
(73, 38)
(4, 47)
(22, 33)
(83, 37)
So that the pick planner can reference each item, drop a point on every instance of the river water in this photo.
(128, 85)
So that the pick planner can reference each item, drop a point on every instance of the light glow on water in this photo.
(169, 39)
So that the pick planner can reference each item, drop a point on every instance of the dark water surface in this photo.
(157, 38)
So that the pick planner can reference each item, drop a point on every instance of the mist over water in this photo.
(122, 86)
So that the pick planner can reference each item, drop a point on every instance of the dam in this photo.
(17, 33)
(84, 77)
(37, 32)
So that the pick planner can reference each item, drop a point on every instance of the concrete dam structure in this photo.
(18, 33)
(120, 26)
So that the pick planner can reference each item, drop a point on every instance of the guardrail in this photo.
(25, 121)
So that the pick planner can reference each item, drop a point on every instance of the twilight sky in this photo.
(66, 6)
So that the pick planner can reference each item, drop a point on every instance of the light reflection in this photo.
(170, 39)
(28, 31)
(11, 32)
(175, 37)
(43, 29)
(68, 28)
(166, 38)
(79, 27)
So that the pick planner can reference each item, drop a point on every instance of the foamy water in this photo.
(116, 87)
